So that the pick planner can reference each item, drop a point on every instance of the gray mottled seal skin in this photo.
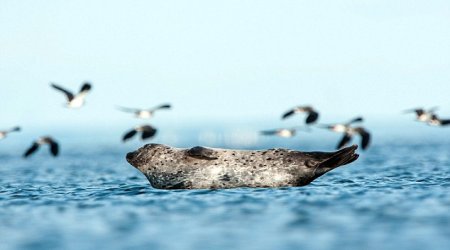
(207, 168)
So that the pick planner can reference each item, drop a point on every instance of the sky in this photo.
(222, 61)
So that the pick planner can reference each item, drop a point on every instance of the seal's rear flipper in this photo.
(341, 157)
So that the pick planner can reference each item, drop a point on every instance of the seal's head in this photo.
(144, 155)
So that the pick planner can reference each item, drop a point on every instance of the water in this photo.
(396, 196)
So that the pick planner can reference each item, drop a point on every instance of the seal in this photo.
(212, 168)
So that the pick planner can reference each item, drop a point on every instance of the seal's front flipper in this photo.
(202, 153)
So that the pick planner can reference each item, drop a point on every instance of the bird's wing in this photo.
(128, 110)
(418, 111)
(148, 132)
(355, 120)
(85, 88)
(31, 150)
(346, 139)
(163, 106)
(444, 122)
(54, 148)
(312, 117)
(269, 132)
(365, 138)
(288, 113)
(326, 126)
(128, 135)
(68, 94)
(15, 129)
(432, 109)
(292, 112)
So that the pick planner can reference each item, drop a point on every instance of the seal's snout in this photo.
(131, 157)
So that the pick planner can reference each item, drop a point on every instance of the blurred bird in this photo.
(422, 115)
(54, 147)
(146, 130)
(342, 127)
(5, 133)
(283, 132)
(349, 131)
(75, 101)
(436, 121)
(365, 137)
(145, 113)
(312, 116)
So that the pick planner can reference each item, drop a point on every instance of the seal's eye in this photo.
(130, 156)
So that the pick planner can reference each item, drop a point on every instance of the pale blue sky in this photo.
(222, 60)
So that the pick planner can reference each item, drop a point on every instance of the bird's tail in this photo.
(124, 109)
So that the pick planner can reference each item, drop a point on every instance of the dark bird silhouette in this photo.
(54, 146)
(422, 115)
(365, 137)
(4, 133)
(145, 113)
(75, 101)
(312, 115)
(349, 131)
(342, 127)
(146, 130)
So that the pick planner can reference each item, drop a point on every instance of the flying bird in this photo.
(423, 115)
(146, 130)
(362, 132)
(75, 101)
(342, 127)
(54, 147)
(5, 133)
(282, 132)
(349, 131)
(145, 113)
(312, 115)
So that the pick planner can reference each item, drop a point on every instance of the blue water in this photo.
(396, 196)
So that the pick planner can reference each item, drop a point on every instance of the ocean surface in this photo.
(396, 196)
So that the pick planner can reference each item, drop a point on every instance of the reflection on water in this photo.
(393, 197)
